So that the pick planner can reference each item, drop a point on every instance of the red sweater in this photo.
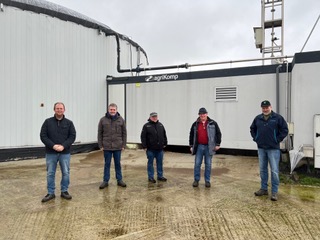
(202, 133)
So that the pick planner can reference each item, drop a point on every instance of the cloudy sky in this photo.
(200, 31)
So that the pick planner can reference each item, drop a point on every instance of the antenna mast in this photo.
(270, 36)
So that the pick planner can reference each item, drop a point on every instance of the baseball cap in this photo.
(203, 110)
(265, 103)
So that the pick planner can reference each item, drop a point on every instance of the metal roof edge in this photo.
(205, 74)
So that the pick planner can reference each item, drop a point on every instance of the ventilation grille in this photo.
(226, 94)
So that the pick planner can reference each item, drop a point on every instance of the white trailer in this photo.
(232, 97)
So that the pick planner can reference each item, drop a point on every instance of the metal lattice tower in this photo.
(270, 36)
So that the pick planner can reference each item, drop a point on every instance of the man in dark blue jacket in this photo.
(154, 140)
(58, 133)
(268, 130)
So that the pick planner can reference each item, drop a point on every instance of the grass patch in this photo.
(311, 181)
(300, 179)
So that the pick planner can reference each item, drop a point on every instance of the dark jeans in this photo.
(158, 155)
(107, 162)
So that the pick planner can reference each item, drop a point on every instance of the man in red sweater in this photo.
(204, 141)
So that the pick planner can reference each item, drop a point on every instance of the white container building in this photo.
(232, 97)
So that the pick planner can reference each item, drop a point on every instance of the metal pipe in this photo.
(238, 61)
(278, 88)
(138, 69)
(310, 33)
(289, 141)
(288, 94)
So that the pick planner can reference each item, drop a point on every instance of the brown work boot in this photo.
(261, 192)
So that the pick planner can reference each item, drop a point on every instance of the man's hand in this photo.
(58, 147)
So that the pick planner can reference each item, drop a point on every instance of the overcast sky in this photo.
(200, 31)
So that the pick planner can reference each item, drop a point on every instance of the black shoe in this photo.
(195, 184)
(66, 195)
(162, 179)
(261, 192)
(48, 197)
(121, 183)
(103, 185)
(152, 180)
(208, 184)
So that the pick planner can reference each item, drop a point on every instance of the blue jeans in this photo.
(107, 162)
(202, 152)
(271, 156)
(158, 154)
(52, 160)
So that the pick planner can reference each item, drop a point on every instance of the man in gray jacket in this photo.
(112, 139)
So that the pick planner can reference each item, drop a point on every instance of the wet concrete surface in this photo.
(170, 210)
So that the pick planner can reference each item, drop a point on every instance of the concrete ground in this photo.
(170, 210)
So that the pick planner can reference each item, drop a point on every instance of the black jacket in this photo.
(153, 136)
(54, 131)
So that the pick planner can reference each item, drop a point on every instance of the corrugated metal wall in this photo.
(44, 60)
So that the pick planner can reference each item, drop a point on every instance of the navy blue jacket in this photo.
(54, 131)
(269, 133)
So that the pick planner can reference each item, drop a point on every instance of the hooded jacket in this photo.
(269, 133)
(112, 132)
(54, 131)
(153, 136)
(214, 135)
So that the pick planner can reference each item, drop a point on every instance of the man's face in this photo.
(59, 110)
(266, 110)
(203, 116)
(112, 111)
(154, 118)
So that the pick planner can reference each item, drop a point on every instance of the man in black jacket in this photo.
(154, 140)
(58, 133)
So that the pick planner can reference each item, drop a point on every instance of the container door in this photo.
(317, 141)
